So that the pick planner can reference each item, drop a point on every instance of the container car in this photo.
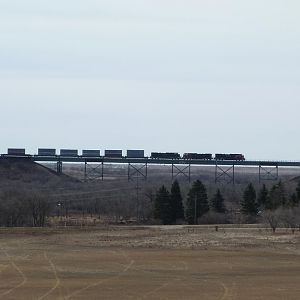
(113, 153)
(200, 156)
(135, 153)
(46, 152)
(68, 152)
(90, 153)
(16, 152)
(165, 155)
(231, 156)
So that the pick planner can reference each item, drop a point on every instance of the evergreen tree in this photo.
(176, 202)
(197, 203)
(162, 206)
(262, 199)
(277, 196)
(293, 200)
(298, 191)
(217, 203)
(249, 204)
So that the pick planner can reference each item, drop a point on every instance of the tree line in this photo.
(276, 205)
(170, 207)
(265, 199)
(273, 205)
(21, 208)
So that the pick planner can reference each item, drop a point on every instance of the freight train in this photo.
(118, 154)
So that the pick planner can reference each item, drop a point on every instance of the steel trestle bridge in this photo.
(224, 169)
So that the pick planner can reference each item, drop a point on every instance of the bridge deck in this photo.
(146, 160)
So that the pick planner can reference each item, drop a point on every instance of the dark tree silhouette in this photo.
(293, 200)
(217, 203)
(197, 203)
(162, 206)
(262, 199)
(298, 191)
(277, 197)
(176, 202)
(249, 204)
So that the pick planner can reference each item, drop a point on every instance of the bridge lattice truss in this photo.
(225, 171)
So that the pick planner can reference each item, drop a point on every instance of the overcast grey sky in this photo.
(162, 75)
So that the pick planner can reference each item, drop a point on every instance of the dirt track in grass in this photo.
(149, 263)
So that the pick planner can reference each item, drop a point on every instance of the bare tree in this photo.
(272, 217)
(39, 208)
(290, 218)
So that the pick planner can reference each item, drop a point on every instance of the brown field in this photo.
(173, 263)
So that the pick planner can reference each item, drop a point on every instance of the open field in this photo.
(178, 262)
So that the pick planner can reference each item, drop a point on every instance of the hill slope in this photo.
(16, 170)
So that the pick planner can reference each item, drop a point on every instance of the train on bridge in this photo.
(118, 154)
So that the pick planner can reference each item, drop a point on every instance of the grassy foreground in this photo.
(149, 263)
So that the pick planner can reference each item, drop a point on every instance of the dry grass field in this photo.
(149, 263)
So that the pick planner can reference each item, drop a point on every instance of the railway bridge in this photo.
(94, 167)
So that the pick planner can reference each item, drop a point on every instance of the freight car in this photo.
(165, 155)
(230, 156)
(135, 153)
(90, 153)
(69, 152)
(46, 152)
(16, 152)
(113, 153)
(200, 156)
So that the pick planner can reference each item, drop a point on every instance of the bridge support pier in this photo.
(59, 167)
(181, 170)
(226, 175)
(134, 171)
(93, 172)
(268, 173)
